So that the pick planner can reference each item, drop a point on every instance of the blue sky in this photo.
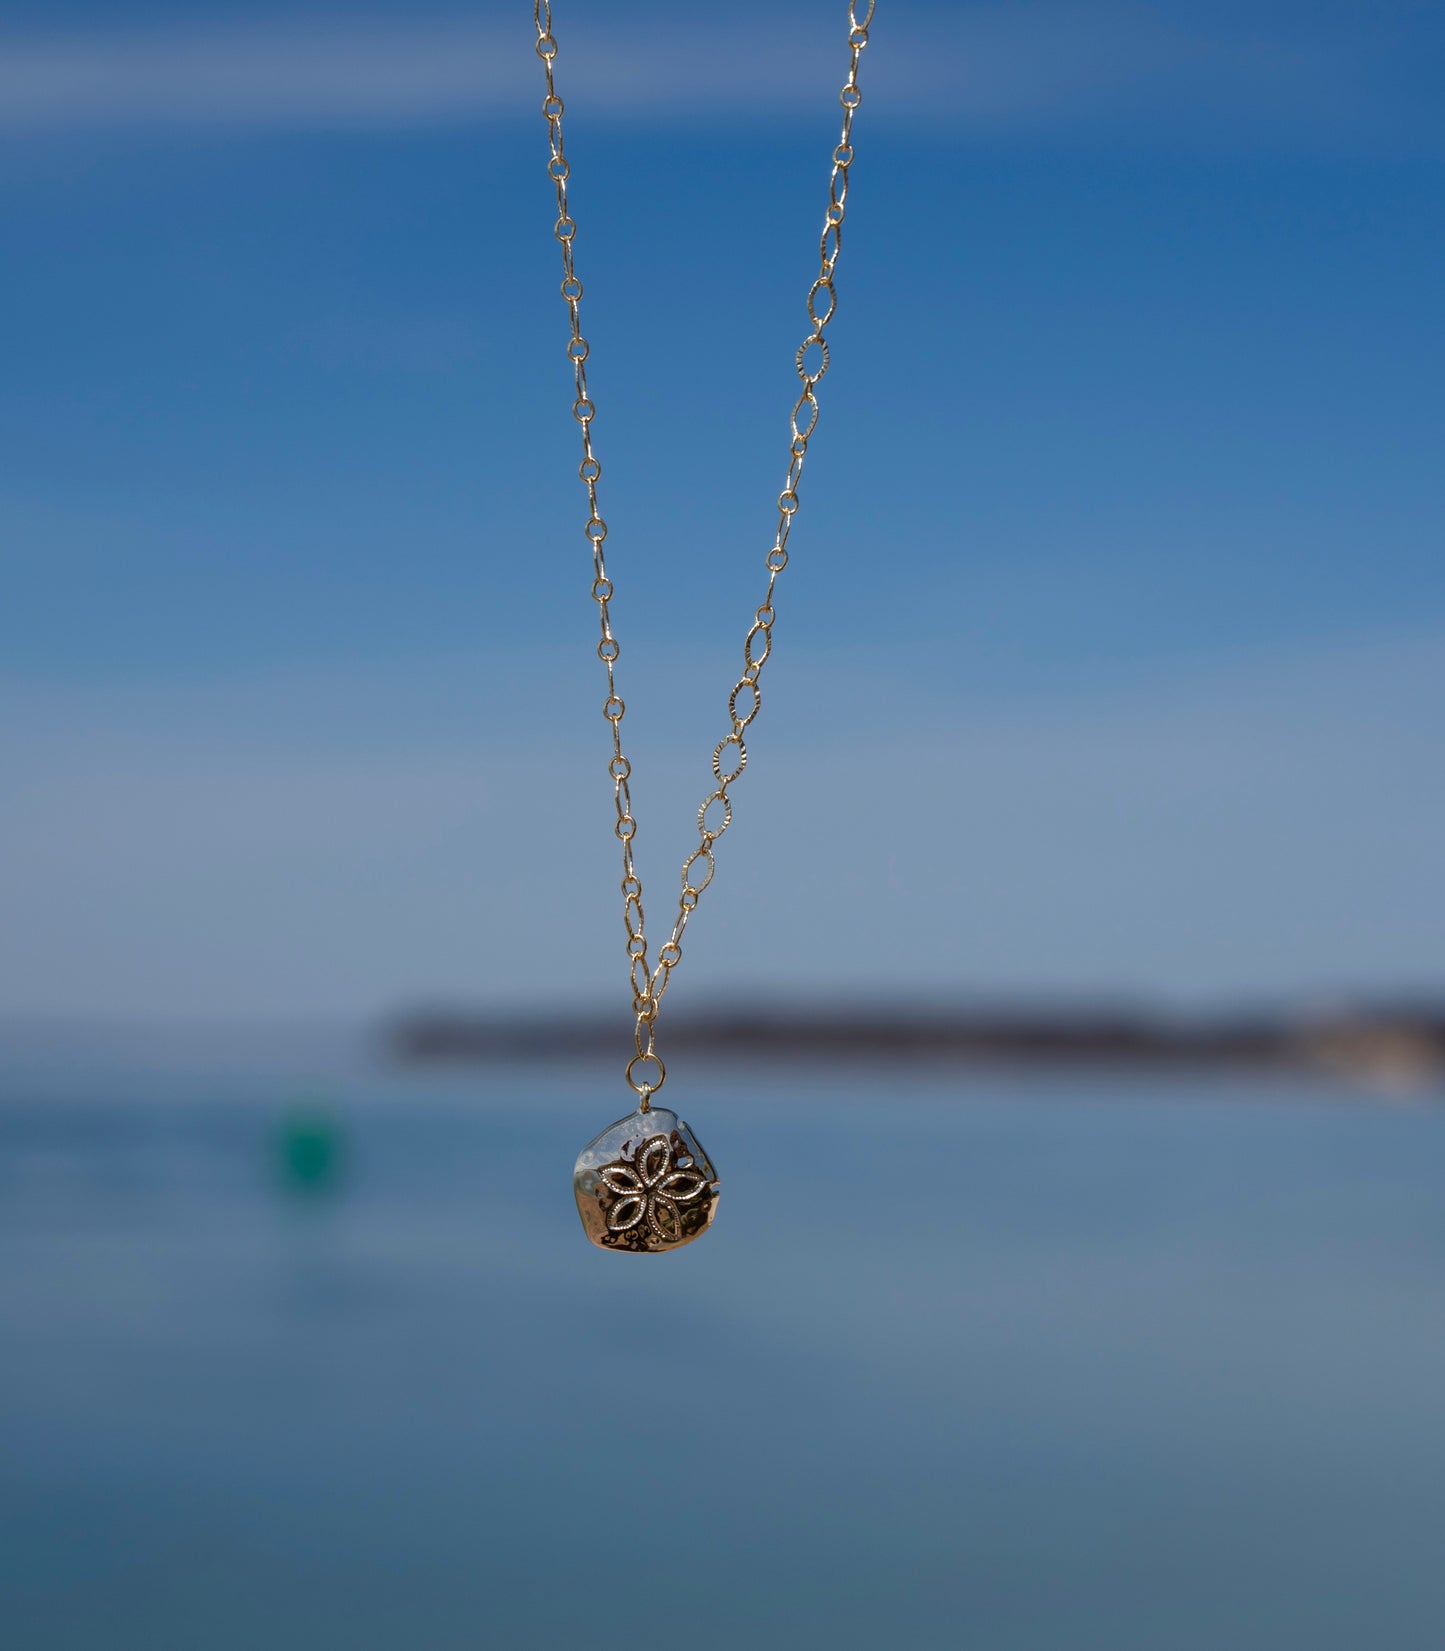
(1108, 662)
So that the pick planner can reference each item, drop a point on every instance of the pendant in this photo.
(645, 1184)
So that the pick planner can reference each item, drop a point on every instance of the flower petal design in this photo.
(681, 1186)
(656, 1194)
(627, 1213)
(620, 1179)
(654, 1159)
(663, 1218)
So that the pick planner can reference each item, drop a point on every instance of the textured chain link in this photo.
(649, 981)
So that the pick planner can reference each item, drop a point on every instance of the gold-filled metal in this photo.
(657, 1190)
(645, 1185)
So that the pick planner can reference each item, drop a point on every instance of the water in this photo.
(1006, 1363)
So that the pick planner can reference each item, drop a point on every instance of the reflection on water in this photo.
(1008, 1365)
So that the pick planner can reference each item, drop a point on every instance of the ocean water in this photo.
(1010, 1363)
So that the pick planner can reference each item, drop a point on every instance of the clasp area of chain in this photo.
(644, 1036)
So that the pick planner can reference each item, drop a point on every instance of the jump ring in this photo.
(642, 1087)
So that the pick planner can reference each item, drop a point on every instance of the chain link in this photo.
(649, 981)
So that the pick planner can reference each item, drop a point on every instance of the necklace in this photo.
(645, 1184)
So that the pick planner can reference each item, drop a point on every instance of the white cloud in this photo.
(1010, 67)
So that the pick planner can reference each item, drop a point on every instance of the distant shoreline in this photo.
(1400, 1048)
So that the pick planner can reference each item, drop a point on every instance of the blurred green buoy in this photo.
(309, 1148)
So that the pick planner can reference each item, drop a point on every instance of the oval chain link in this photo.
(648, 981)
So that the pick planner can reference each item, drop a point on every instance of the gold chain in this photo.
(728, 760)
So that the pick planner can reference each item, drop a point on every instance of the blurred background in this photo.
(1067, 1015)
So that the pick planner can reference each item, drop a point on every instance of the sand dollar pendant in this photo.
(645, 1184)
